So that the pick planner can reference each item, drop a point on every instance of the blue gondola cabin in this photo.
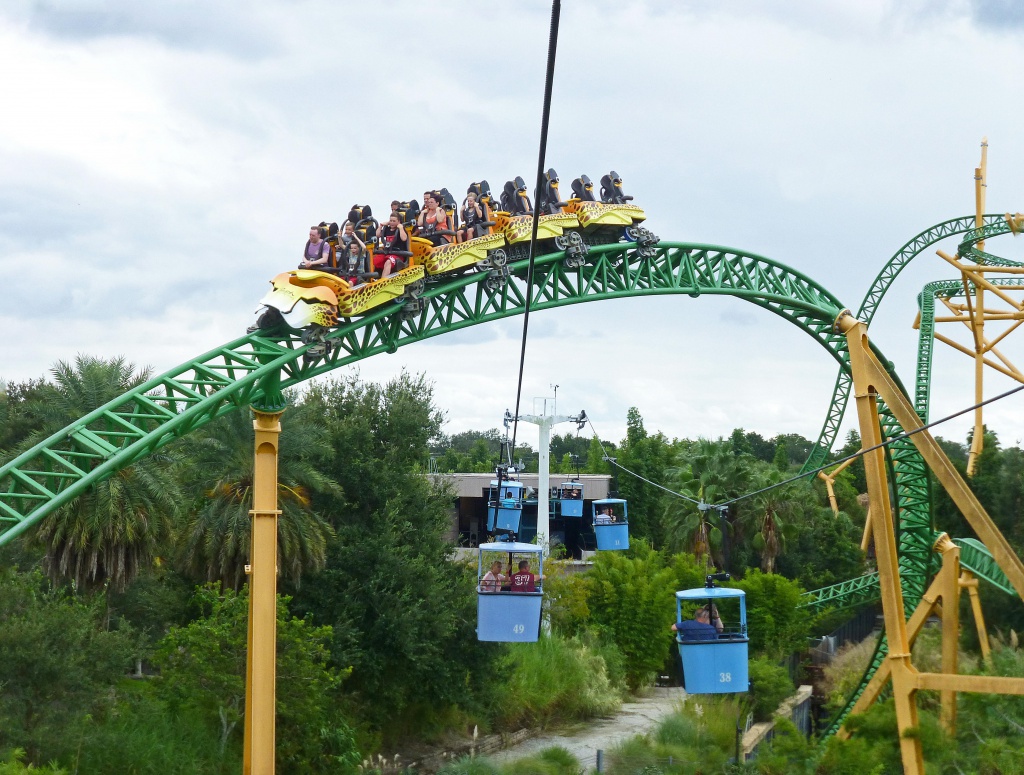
(611, 524)
(570, 499)
(509, 592)
(714, 660)
(504, 507)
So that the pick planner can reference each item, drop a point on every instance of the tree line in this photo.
(123, 639)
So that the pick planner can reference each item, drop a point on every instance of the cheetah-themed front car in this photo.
(313, 302)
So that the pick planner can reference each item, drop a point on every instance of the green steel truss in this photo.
(975, 557)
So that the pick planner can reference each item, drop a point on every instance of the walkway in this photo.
(634, 718)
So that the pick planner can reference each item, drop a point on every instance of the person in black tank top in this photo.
(393, 238)
(472, 214)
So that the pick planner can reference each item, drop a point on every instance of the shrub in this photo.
(554, 678)
(565, 601)
(551, 761)
(630, 599)
(777, 624)
(788, 752)
(465, 765)
(770, 685)
(14, 764)
(845, 672)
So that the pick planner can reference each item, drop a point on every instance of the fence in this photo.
(853, 631)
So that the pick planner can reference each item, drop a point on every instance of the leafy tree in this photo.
(740, 444)
(21, 412)
(105, 536)
(218, 467)
(596, 463)
(631, 602)
(57, 663)
(403, 613)
(203, 673)
(648, 457)
(856, 468)
(824, 551)
(781, 457)
(709, 472)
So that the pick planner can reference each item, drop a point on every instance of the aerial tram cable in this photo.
(725, 504)
(556, 9)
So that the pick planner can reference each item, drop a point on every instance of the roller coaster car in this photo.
(485, 251)
(515, 220)
(612, 217)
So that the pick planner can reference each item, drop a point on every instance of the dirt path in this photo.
(634, 718)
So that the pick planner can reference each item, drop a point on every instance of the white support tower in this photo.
(545, 415)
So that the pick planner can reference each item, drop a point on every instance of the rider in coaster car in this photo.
(394, 247)
(611, 189)
(472, 215)
(433, 221)
(353, 265)
(583, 189)
(318, 251)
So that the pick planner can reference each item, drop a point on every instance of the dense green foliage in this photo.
(121, 658)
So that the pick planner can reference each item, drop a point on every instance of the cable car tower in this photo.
(545, 416)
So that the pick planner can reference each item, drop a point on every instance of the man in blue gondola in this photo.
(705, 625)
(523, 580)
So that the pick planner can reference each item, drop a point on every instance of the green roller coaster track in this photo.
(974, 556)
(255, 369)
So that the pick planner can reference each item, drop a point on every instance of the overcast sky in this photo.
(160, 162)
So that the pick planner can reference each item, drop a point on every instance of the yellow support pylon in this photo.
(261, 659)
(871, 382)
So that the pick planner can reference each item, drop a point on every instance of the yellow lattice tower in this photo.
(979, 302)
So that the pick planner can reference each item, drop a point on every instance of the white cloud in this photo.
(160, 165)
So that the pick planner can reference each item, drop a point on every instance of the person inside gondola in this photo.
(705, 625)
(494, 579)
(317, 253)
(393, 237)
(605, 516)
(522, 579)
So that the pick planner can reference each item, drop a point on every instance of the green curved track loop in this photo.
(868, 307)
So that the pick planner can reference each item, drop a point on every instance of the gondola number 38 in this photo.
(724, 678)
(518, 628)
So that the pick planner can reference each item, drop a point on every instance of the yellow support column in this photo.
(978, 317)
(968, 582)
(950, 593)
(902, 672)
(261, 660)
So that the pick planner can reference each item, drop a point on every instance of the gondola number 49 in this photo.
(518, 629)
(724, 678)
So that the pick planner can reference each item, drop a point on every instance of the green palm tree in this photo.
(710, 472)
(105, 536)
(768, 517)
(218, 467)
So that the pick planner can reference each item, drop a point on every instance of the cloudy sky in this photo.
(159, 162)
